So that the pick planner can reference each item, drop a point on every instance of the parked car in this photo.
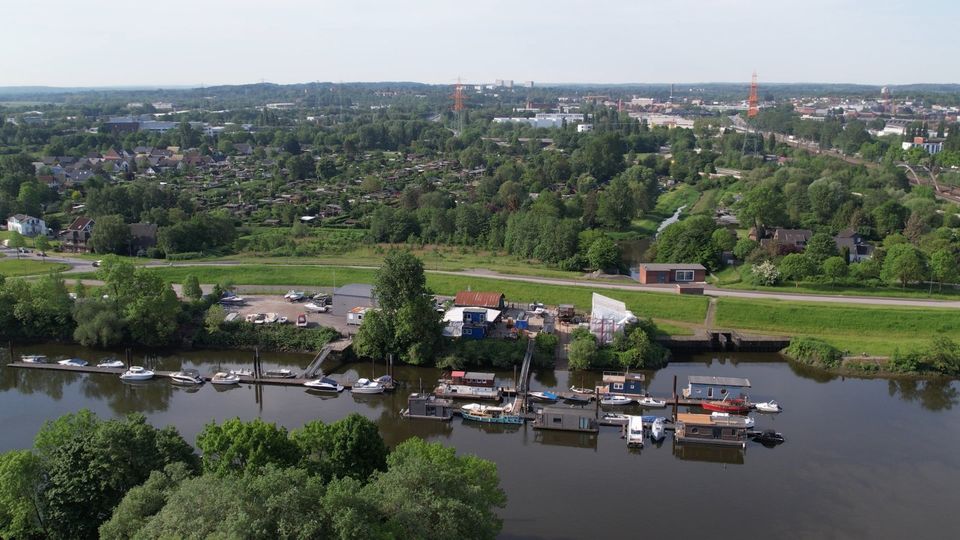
(97, 263)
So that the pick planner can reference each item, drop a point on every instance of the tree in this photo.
(915, 228)
(399, 280)
(375, 338)
(20, 490)
(796, 267)
(236, 446)
(835, 268)
(349, 447)
(903, 263)
(111, 235)
(191, 287)
(603, 253)
(143, 502)
(616, 204)
(943, 266)
(582, 353)
(214, 318)
(42, 244)
(744, 247)
(820, 247)
(724, 239)
(99, 323)
(17, 242)
(762, 205)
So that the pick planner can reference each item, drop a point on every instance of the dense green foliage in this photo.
(942, 356)
(813, 352)
(634, 348)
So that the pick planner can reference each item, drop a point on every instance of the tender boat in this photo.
(302, 320)
(635, 432)
(225, 379)
(242, 372)
(658, 430)
(324, 384)
(386, 381)
(232, 300)
(489, 414)
(735, 406)
(75, 362)
(111, 364)
(768, 437)
(366, 386)
(279, 373)
(546, 397)
(187, 377)
(314, 308)
(34, 359)
(650, 403)
(283, 320)
(614, 419)
(768, 406)
(136, 373)
(294, 296)
(581, 390)
(747, 421)
(578, 400)
(608, 399)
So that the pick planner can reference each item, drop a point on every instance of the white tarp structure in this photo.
(608, 317)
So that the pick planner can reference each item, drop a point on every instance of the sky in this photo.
(211, 42)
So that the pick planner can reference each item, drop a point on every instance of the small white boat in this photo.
(136, 373)
(33, 359)
(282, 320)
(608, 399)
(324, 384)
(270, 318)
(768, 406)
(75, 362)
(635, 432)
(748, 421)
(581, 390)
(232, 300)
(225, 379)
(545, 397)
(111, 364)
(614, 419)
(658, 430)
(279, 373)
(242, 372)
(314, 308)
(366, 386)
(302, 320)
(187, 377)
(650, 403)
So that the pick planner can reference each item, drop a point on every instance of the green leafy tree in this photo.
(236, 446)
(143, 502)
(603, 253)
(744, 247)
(797, 267)
(582, 353)
(835, 268)
(99, 323)
(21, 514)
(42, 244)
(191, 287)
(820, 247)
(349, 447)
(399, 280)
(17, 242)
(724, 239)
(943, 266)
(763, 206)
(616, 205)
(214, 318)
(903, 263)
(111, 235)
(375, 338)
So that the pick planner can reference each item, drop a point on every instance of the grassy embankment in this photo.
(12, 267)
(876, 330)
(732, 278)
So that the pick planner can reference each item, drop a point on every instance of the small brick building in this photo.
(654, 273)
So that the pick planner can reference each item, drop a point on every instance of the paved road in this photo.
(83, 265)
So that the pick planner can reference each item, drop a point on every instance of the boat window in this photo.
(558, 420)
(617, 386)
(723, 391)
(694, 431)
(710, 392)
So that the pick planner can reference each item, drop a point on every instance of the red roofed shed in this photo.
(489, 300)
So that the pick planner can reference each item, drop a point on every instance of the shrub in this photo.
(813, 352)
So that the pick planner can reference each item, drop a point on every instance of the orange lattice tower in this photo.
(458, 104)
(753, 102)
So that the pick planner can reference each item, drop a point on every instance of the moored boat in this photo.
(282, 373)
(75, 362)
(187, 377)
(648, 402)
(33, 359)
(489, 414)
(635, 432)
(428, 407)
(302, 320)
(608, 399)
(366, 386)
(768, 406)
(735, 406)
(225, 379)
(136, 373)
(545, 397)
(577, 399)
(658, 430)
(581, 390)
(768, 437)
(111, 364)
(242, 372)
(324, 384)
(613, 419)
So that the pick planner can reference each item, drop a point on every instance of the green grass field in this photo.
(730, 278)
(12, 267)
(877, 330)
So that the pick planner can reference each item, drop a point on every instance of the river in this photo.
(862, 458)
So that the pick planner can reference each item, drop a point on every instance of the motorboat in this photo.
(489, 414)
(386, 381)
(282, 320)
(581, 390)
(112, 364)
(75, 362)
(324, 384)
(293, 296)
(312, 307)
(635, 432)
(33, 359)
(187, 377)
(735, 406)
(225, 379)
(257, 318)
(270, 318)
(282, 373)
(136, 373)
(546, 397)
(578, 400)
(648, 402)
(747, 421)
(232, 300)
(608, 399)
(242, 372)
(658, 430)
(613, 419)
(768, 406)
(768, 437)
(302, 320)
(366, 386)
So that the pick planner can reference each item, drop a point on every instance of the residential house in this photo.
(649, 273)
(469, 322)
(26, 225)
(623, 384)
(851, 245)
(783, 240)
(76, 237)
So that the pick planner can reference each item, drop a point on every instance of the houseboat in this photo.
(469, 385)
(709, 429)
(428, 407)
(488, 414)
(635, 432)
(622, 384)
(716, 388)
(565, 419)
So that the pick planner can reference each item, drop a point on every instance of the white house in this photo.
(26, 225)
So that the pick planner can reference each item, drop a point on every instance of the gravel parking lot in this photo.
(290, 310)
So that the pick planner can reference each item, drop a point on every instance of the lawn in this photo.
(877, 330)
(12, 267)
(688, 309)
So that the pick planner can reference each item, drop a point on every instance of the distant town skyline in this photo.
(214, 42)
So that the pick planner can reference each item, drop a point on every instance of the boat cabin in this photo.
(718, 388)
(429, 406)
(624, 384)
(471, 378)
(566, 420)
(709, 429)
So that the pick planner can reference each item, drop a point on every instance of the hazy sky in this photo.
(181, 42)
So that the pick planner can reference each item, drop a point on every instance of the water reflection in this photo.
(730, 455)
(566, 438)
(933, 395)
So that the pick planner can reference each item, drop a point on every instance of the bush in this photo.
(497, 353)
(941, 356)
(545, 352)
(276, 337)
(813, 352)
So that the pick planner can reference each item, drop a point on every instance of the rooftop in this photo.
(478, 299)
(720, 381)
(669, 266)
(355, 289)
